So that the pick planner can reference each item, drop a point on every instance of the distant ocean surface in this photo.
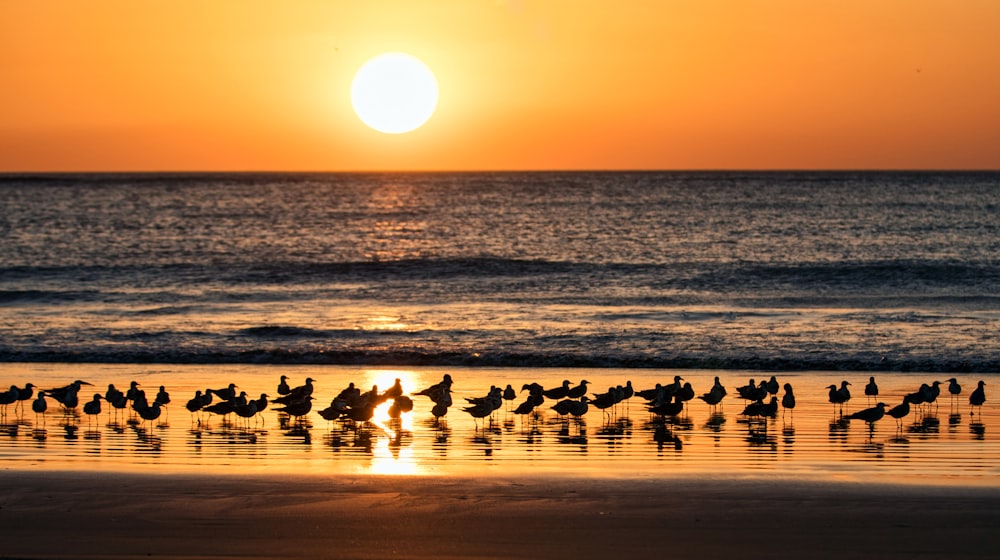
(784, 271)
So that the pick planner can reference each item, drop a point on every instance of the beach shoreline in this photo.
(78, 514)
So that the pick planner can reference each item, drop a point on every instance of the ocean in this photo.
(793, 271)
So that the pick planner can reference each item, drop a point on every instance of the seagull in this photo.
(247, 411)
(113, 393)
(150, 413)
(559, 392)
(394, 391)
(954, 389)
(564, 406)
(198, 401)
(712, 397)
(870, 415)
(608, 399)
(674, 387)
(578, 391)
(509, 393)
(298, 408)
(8, 397)
(667, 408)
(772, 385)
(534, 399)
(24, 394)
(748, 389)
(900, 411)
(93, 408)
(788, 401)
(68, 395)
(841, 395)
(978, 397)
(283, 388)
(580, 407)
(222, 408)
(685, 393)
(162, 397)
(440, 395)
(39, 405)
(769, 410)
(871, 389)
(227, 394)
(935, 391)
(481, 410)
(443, 386)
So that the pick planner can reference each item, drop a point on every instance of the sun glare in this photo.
(394, 93)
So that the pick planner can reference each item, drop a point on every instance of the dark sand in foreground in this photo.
(107, 515)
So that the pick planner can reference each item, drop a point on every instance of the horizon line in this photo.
(473, 171)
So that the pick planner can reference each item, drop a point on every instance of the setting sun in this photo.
(394, 93)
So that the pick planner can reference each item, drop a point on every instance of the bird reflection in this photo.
(664, 437)
(926, 425)
(715, 422)
(71, 430)
(788, 434)
(838, 429)
(978, 430)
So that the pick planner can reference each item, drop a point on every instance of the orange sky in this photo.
(670, 84)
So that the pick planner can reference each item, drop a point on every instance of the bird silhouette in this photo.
(24, 394)
(978, 397)
(93, 407)
(39, 405)
(871, 389)
(954, 389)
(788, 400)
(227, 394)
(869, 415)
(558, 392)
(900, 411)
(578, 391)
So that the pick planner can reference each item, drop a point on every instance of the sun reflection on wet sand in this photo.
(940, 443)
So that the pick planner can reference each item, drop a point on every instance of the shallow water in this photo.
(945, 446)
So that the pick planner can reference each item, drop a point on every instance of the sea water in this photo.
(198, 280)
(790, 271)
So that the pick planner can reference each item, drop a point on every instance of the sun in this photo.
(394, 93)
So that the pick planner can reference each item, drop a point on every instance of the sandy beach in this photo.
(111, 515)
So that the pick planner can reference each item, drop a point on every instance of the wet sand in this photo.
(111, 515)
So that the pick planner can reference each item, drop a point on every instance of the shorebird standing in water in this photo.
(871, 389)
(870, 415)
(578, 391)
(39, 406)
(283, 388)
(93, 408)
(788, 401)
(24, 394)
(559, 392)
(954, 389)
(899, 412)
(840, 396)
(978, 397)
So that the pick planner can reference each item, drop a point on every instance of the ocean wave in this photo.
(41, 296)
(277, 331)
(416, 357)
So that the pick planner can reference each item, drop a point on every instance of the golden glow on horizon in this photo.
(117, 85)
(394, 93)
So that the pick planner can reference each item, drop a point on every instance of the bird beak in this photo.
(85, 383)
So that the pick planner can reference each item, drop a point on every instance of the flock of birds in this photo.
(566, 400)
